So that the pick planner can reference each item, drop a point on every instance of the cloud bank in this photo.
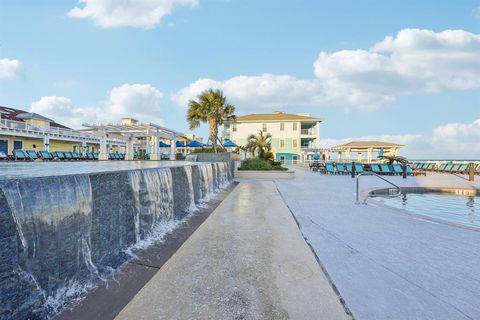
(413, 62)
(127, 13)
(139, 100)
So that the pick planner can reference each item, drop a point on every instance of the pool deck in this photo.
(248, 260)
(385, 263)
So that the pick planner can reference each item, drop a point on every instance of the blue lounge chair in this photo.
(375, 168)
(45, 155)
(349, 168)
(397, 168)
(455, 168)
(76, 155)
(329, 168)
(95, 155)
(20, 154)
(441, 167)
(340, 168)
(463, 168)
(31, 154)
(90, 156)
(385, 169)
(430, 166)
(358, 167)
(3, 156)
(448, 167)
(68, 155)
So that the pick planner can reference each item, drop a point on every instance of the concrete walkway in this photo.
(248, 260)
(386, 263)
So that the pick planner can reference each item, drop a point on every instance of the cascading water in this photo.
(63, 234)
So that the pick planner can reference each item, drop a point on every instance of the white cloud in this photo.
(140, 101)
(449, 141)
(127, 13)
(10, 68)
(411, 63)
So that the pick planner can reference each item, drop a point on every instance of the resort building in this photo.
(291, 133)
(23, 130)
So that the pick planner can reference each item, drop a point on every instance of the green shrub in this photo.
(208, 150)
(259, 164)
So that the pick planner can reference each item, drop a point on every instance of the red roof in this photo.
(11, 114)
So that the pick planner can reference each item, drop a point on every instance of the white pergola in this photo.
(150, 131)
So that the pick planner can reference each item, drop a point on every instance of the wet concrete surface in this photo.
(247, 261)
(109, 298)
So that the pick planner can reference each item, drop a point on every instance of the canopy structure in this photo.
(148, 134)
(195, 144)
(368, 147)
(179, 144)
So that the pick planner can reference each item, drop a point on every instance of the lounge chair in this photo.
(3, 156)
(430, 166)
(68, 155)
(95, 155)
(415, 172)
(20, 155)
(329, 168)
(31, 154)
(463, 168)
(441, 167)
(397, 168)
(386, 169)
(358, 168)
(349, 168)
(60, 155)
(455, 168)
(448, 167)
(340, 168)
(45, 155)
(122, 156)
(376, 168)
(76, 155)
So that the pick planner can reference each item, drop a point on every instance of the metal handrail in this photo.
(357, 197)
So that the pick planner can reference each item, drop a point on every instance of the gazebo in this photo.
(368, 147)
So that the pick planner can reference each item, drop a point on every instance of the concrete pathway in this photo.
(388, 264)
(248, 260)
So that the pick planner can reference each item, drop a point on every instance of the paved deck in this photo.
(387, 264)
(248, 260)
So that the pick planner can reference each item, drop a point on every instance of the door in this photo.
(282, 159)
(295, 159)
(4, 146)
(17, 145)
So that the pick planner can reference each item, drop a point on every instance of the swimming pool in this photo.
(462, 207)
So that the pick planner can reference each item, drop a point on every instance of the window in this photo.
(282, 126)
(295, 159)
(295, 143)
(264, 127)
(282, 143)
(294, 126)
(234, 127)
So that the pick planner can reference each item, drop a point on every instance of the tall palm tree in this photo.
(211, 107)
(260, 145)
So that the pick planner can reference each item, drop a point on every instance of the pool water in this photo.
(450, 207)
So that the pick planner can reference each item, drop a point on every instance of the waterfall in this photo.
(63, 234)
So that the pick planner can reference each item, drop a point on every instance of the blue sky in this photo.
(107, 59)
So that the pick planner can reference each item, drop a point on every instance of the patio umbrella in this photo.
(179, 144)
(195, 144)
(229, 144)
(163, 145)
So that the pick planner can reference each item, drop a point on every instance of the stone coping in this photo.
(271, 174)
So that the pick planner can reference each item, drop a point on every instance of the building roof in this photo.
(368, 144)
(20, 115)
(275, 116)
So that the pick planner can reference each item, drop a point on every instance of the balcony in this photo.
(308, 132)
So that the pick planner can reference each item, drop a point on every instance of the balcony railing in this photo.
(308, 132)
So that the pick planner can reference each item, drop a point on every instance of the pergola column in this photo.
(103, 154)
(347, 154)
(84, 148)
(46, 142)
(129, 149)
(369, 154)
(317, 140)
(155, 155)
(339, 155)
(173, 149)
(359, 157)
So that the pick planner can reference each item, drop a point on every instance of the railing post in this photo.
(353, 169)
(404, 170)
(357, 192)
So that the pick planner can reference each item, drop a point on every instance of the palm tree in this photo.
(261, 145)
(211, 107)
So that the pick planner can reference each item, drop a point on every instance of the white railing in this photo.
(308, 132)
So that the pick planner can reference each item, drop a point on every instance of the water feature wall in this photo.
(61, 235)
